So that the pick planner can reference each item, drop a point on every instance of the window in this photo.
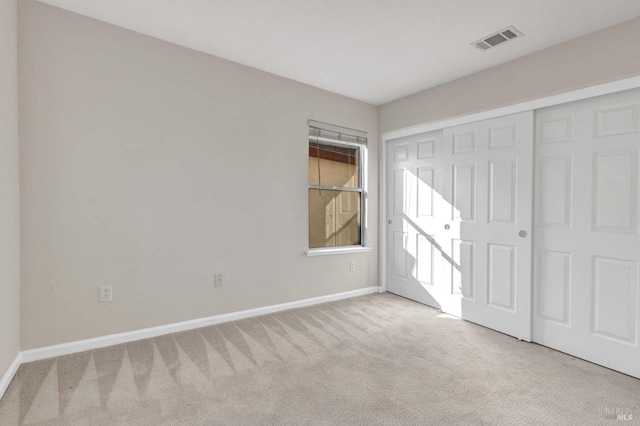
(336, 186)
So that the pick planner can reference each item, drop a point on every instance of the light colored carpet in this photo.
(372, 360)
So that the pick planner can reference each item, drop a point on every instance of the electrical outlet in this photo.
(106, 293)
(218, 281)
(352, 266)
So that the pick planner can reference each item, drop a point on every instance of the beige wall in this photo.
(151, 167)
(601, 57)
(9, 203)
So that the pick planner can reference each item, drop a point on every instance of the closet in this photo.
(527, 224)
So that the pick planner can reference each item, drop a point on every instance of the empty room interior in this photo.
(322, 212)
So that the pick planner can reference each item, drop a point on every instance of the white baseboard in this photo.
(145, 333)
(10, 374)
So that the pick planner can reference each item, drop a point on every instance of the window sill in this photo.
(337, 250)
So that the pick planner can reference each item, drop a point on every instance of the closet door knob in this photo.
(522, 233)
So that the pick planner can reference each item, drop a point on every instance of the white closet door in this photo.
(416, 214)
(587, 241)
(488, 183)
(457, 201)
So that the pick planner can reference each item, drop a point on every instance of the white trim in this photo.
(382, 214)
(145, 333)
(5, 381)
(337, 250)
(562, 98)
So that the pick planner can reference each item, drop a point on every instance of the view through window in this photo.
(335, 191)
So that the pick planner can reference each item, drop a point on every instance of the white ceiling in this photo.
(373, 50)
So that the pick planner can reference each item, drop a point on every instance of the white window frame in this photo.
(362, 189)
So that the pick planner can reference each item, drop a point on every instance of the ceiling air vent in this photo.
(495, 39)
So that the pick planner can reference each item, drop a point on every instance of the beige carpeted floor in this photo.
(371, 360)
